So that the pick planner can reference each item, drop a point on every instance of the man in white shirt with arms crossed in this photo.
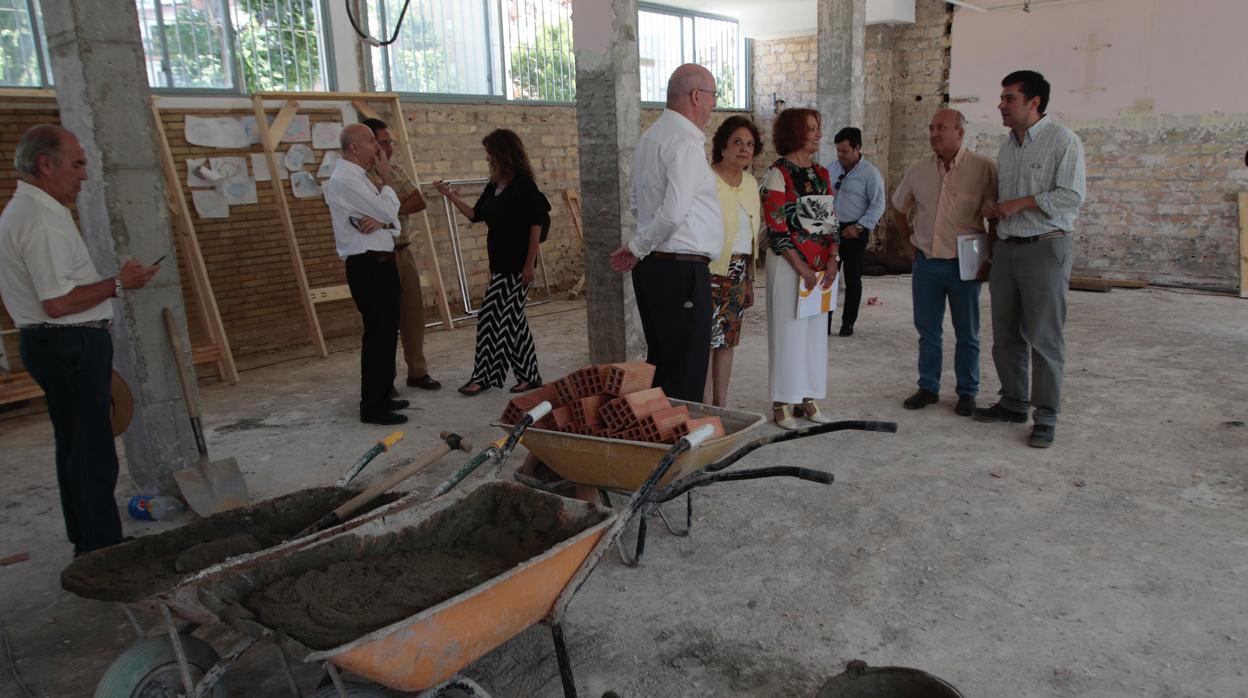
(61, 307)
(366, 222)
(679, 232)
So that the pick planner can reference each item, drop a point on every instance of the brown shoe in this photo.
(424, 383)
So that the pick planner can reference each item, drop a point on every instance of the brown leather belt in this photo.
(1036, 238)
(701, 259)
(373, 256)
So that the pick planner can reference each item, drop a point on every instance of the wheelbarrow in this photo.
(141, 574)
(589, 463)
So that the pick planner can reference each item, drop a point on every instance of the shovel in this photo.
(209, 487)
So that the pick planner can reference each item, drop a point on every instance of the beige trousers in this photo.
(412, 314)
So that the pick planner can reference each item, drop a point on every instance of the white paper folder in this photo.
(972, 251)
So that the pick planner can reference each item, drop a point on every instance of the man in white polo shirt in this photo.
(366, 222)
(680, 230)
(61, 307)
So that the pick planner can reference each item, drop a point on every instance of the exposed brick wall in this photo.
(1162, 197)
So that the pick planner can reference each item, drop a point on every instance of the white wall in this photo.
(1173, 57)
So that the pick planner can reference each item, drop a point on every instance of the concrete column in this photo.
(608, 115)
(841, 88)
(102, 92)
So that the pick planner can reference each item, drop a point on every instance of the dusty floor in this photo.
(1112, 565)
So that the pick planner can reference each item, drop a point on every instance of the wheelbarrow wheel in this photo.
(354, 690)
(149, 668)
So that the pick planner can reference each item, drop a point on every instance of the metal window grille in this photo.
(23, 60)
(279, 44)
(512, 49)
(667, 38)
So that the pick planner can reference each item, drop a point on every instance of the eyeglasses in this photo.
(839, 179)
(713, 93)
(389, 141)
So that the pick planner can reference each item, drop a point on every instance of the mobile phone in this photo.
(162, 258)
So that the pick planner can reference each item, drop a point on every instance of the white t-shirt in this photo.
(43, 256)
(741, 245)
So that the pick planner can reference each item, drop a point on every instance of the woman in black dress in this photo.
(514, 211)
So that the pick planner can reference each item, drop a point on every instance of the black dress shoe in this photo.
(965, 406)
(1042, 436)
(997, 413)
(921, 398)
(386, 418)
(846, 331)
(396, 405)
(424, 383)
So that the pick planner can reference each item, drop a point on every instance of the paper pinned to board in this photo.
(215, 132)
(260, 169)
(814, 301)
(299, 130)
(304, 186)
(325, 134)
(195, 176)
(229, 168)
(240, 190)
(297, 156)
(210, 203)
(972, 251)
(328, 162)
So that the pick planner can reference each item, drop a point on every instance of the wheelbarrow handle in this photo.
(814, 430)
(683, 485)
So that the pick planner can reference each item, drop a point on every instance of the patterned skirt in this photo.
(728, 303)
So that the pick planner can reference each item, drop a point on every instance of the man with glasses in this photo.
(860, 202)
(679, 232)
(412, 302)
(1042, 183)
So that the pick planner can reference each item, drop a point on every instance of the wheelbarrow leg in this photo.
(688, 518)
(184, 667)
(565, 662)
(290, 675)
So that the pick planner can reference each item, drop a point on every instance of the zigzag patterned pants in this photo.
(503, 336)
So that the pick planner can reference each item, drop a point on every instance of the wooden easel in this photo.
(217, 350)
(574, 207)
(270, 137)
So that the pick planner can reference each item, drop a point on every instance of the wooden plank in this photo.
(1128, 283)
(281, 122)
(1083, 283)
(288, 228)
(399, 128)
(574, 207)
(20, 93)
(330, 293)
(1243, 244)
(328, 96)
(205, 354)
(15, 387)
(188, 241)
(364, 110)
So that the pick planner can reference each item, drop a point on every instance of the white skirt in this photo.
(797, 350)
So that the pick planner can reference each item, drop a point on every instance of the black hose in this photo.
(364, 35)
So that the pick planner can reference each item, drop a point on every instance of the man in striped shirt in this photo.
(1041, 182)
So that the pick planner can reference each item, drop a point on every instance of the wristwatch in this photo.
(118, 288)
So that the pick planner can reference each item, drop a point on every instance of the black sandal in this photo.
(525, 387)
(467, 389)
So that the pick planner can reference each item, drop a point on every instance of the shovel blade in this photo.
(213, 487)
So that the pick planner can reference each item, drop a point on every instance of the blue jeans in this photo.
(932, 282)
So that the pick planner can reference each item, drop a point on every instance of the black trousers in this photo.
(374, 282)
(674, 301)
(74, 365)
(852, 251)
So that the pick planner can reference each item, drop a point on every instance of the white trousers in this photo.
(797, 350)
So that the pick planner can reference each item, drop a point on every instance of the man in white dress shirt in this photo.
(63, 311)
(366, 222)
(679, 232)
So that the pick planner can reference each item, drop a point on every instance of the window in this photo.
(23, 56)
(512, 49)
(219, 45)
(667, 38)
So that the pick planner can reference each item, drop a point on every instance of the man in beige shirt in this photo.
(939, 199)
(412, 304)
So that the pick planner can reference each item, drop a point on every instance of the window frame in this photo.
(747, 50)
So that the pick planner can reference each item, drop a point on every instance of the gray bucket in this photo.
(860, 681)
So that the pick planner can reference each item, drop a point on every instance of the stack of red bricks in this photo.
(612, 401)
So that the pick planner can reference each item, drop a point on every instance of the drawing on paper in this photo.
(219, 132)
(260, 168)
(240, 190)
(298, 131)
(229, 168)
(303, 185)
(298, 156)
(210, 203)
(327, 164)
(325, 134)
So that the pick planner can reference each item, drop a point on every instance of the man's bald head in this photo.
(945, 132)
(691, 92)
(359, 144)
(51, 158)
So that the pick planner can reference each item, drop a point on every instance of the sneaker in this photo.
(810, 409)
(783, 416)
(921, 398)
(965, 406)
(1042, 436)
(997, 413)
(384, 418)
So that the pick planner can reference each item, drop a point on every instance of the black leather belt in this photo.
(89, 324)
(373, 256)
(1036, 238)
(676, 257)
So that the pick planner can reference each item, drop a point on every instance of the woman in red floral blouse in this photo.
(801, 230)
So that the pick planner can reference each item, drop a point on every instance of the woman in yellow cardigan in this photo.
(736, 143)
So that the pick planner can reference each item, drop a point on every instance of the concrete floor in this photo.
(1109, 566)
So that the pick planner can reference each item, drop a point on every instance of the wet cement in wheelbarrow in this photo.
(150, 565)
(395, 576)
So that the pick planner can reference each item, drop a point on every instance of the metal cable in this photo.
(11, 663)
